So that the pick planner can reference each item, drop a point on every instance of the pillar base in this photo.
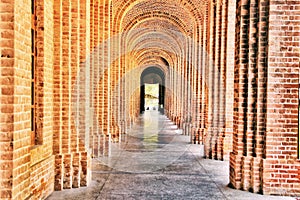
(72, 170)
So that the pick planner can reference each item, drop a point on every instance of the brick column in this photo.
(122, 83)
(197, 67)
(74, 64)
(95, 71)
(231, 10)
(83, 79)
(57, 99)
(204, 79)
(91, 73)
(114, 86)
(261, 75)
(222, 150)
(240, 86)
(66, 75)
(216, 79)
(208, 150)
(196, 81)
(66, 94)
(251, 97)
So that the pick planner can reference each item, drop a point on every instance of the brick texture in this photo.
(264, 157)
(231, 82)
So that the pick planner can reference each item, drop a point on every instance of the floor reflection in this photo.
(150, 145)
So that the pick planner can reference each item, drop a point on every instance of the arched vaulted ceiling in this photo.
(159, 40)
(157, 23)
(155, 29)
(187, 11)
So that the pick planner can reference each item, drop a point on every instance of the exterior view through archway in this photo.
(153, 75)
(73, 75)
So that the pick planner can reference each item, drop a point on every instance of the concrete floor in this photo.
(154, 161)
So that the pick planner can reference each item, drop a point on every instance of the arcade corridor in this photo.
(76, 113)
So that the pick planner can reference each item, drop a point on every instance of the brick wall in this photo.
(281, 167)
(7, 101)
(25, 163)
(42, 160)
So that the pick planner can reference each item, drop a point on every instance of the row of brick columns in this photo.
(89, 86)
(70, 50)
(200, 106)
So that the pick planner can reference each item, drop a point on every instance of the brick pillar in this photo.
(68, 171)
(180, 93)
(216, 78)
(196, 88)
(222, 143)
(175, 89)
(76, 170)
(66, 94)
(114, 87)
(262, 77)
(251, 126)
(240, 101)
(57, 99)
(180, 67)
(83, 101)
(204, 78)
(66, 75)
(197, 67)
(122, 84)
(231, 10)
(91, 73)
(95, 70)
(101, 87)
(74, 64)
(185, 87)
(177, 101)
(15, 100)
(106, 70)
(59, 172)
(75, 25)
(245, 173)
(85, 172)
(260, 134)
(208, 145)
(217, 142)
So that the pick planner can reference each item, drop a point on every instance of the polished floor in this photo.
(155, 161)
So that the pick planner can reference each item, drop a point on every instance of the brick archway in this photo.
(157, 76)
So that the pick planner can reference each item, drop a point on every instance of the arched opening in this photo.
(153, 75)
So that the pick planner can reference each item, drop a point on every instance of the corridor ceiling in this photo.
(158, 28)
